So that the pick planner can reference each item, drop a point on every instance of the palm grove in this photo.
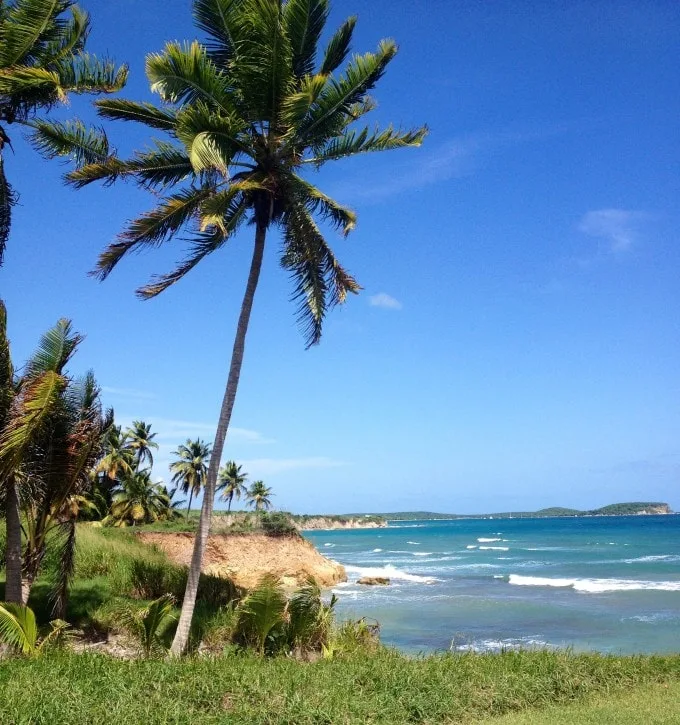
(245, 115)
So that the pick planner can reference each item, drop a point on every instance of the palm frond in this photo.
(217, 19)
(359, 142)
(341, 217)
(339, 46)
(7, 201)
(184, 74)
(67, 562)
(320, 281)
(203, 244)
(304, 608)
(261, 612)
(85, 73)
(26, 23)
(146, 113)
(71, 139)
(304, 21)
(152, 228)
(342, 95)
(55, 349)
(18, 628)
(31, 86)
(296, 106)
(71, 38)
(161, 166)
(219, 209)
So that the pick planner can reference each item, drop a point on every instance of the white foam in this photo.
(658, 557)
(329, 544)
(472, 546)
(422, 553)
(375, 551)
(494, 548)
(595, 586)
(498, 576)
(389, 572)
(413, 543)
(482, 540)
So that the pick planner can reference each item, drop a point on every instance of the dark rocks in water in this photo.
(373, 580)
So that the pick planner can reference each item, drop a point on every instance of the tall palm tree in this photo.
(258, 497)
(53, 434)
(190, 469)
(246, 115)
(42, 61)
(140, 440)
(231, 482)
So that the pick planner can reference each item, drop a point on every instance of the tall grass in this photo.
(378, 687)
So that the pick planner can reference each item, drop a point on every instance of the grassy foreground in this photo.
(378, 687)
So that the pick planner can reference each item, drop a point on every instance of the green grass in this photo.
(378, 687)
(649, 705)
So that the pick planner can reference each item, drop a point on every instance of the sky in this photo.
(516, 343)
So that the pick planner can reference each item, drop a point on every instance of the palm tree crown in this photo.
(191, 467)
(42, 60)
(259, 496)
(140, 440)
(232, 482)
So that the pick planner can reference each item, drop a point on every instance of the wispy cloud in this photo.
(387, 302)
(129, 393)
(456, 158)
(169, 429)
(270, 466)
(619, 228)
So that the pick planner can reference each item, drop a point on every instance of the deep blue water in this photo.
(610, 584)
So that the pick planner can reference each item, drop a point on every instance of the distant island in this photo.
(633, 508)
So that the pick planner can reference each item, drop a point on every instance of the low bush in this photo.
(277, 524)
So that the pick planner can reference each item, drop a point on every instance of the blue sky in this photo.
(516, 342)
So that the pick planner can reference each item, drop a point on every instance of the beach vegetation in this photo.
(190, 468)
(231, 483)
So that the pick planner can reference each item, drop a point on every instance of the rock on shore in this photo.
(245, 558)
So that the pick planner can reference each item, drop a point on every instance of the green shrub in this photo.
(277, 524)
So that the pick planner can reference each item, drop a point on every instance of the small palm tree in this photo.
(259, 497)
(19, 630)
(140, 440)
(150, 624)
(42, 61)
(191, 468)
(139, 500)
(231, 482)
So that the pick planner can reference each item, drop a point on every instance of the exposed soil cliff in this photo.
(245, 558)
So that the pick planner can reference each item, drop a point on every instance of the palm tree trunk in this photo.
(191, 495)
(182, 635)
(13, 589)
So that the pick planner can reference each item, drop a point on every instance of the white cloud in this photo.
(130, 393)
(179, 430)
(618, 227)
(387, 302)
(269, 466)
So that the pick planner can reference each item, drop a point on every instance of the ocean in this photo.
(607, 584)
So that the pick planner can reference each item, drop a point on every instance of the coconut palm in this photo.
(139, 500)
(42, 61)
(52, 437)
(246, 115)
(190, 469)
(258, 497)
(231, 482)
(140, 440)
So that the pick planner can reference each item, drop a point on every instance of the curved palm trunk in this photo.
(191, 496)
(182, 635)
(13, 588)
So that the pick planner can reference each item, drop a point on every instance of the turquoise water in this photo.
(610, 584)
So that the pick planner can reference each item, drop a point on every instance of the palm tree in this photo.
(139, 500)
(231, 482)
(42, 61)
(190, 468)
(140, 440)
(52, 436)
(259, 497)
(245, 115)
